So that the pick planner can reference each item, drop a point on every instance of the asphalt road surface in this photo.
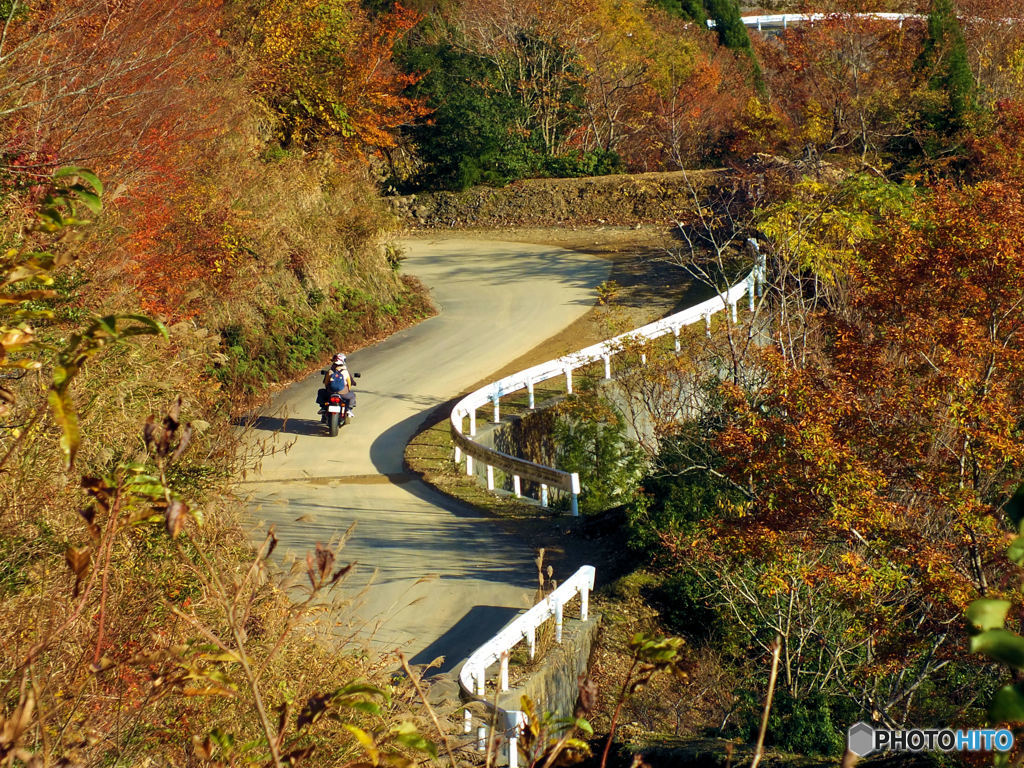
(433, 577)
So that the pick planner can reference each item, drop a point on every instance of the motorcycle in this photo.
(335, 410)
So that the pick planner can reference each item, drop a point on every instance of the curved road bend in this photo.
(495, 301)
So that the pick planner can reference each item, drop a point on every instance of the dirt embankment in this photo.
(622, 200)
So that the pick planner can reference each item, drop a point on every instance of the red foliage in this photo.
(904, 431)
(126, 88)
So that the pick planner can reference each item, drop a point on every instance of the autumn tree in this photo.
(695, 107)
(620, 52)
(100, 83)
(845, 83)
(732, 34)
(867, 451)
(326, 69)
(534, 48)
(995, 50)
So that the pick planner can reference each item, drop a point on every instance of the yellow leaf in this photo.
(366, 741)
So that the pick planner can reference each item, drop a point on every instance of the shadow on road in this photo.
(285, 425)
(506, 266)
(427, 401)
(387, 452)
(478, 626)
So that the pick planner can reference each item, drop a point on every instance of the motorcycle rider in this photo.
(338, 380)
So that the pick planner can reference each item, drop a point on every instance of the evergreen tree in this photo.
(469, 138)
(944, 58)
(733, 34)
(729, 24)
(687, 9)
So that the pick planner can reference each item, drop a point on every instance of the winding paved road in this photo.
(496, 300)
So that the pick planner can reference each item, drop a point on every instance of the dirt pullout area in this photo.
(621, 200)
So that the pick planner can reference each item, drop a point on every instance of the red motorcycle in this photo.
(335, 410)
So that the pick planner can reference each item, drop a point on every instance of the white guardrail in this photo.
(497, 650)
(783, 20)
(549, 477)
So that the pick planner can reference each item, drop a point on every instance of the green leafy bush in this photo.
(469, 138)
(591, 437)
(813, 724)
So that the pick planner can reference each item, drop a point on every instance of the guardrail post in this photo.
(497, 413)
(568, 380)
(531, 640)
(503, 671)
(707, 326)
(481, 690)
(517, 487)
(516, 721)
(469, 464)
(467, 721)
(735, 318)
(575, 494)
(490, 478)
(458, 449)
(529, 388)
(676, 332)
(751, 283)
(558, 622)
(607, 366)
(472, 422)
(543, 495)
(584, 603)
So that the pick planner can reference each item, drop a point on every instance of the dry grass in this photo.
(666, 708)
(136, 662)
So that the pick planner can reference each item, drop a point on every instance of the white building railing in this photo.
(550, 477)
(498, 650)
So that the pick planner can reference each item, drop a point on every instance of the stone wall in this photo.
(552, 683)
(621, 200)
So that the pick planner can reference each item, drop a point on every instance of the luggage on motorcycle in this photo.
(336, 381)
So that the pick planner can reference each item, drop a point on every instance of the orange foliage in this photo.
(845, 82)
(128, 88)
(327, 69)
(904, 431)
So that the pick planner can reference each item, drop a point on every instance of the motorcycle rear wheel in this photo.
(332, 424)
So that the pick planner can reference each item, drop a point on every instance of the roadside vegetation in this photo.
(173, 243)
(192, 213)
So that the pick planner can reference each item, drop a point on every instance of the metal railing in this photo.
(498, 650)
(550, 477)
(783, 20)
